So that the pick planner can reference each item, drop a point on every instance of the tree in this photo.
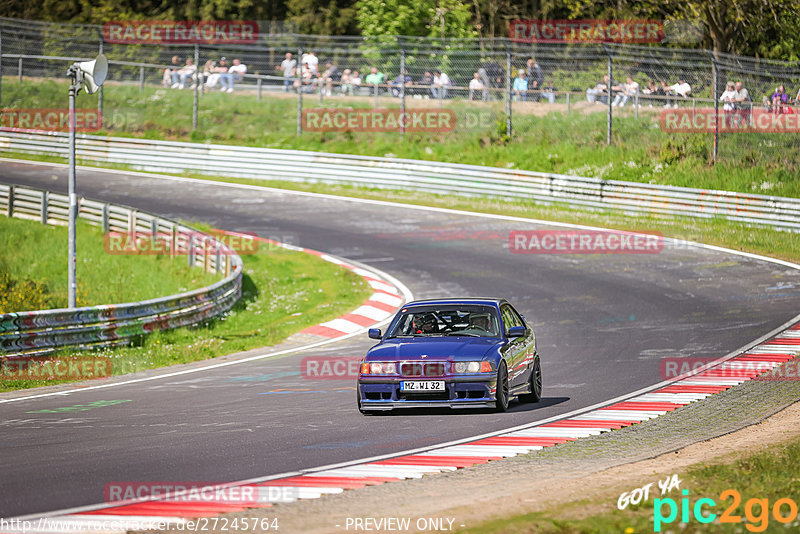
(424, 18)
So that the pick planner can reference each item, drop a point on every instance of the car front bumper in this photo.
(469, 391)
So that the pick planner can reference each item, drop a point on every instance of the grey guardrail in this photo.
(415, 175)
(39, 332)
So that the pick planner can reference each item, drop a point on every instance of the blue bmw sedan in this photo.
(459, 353)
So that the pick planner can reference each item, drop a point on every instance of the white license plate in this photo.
(422, 385)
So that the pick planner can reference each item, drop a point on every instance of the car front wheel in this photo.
(501, 390)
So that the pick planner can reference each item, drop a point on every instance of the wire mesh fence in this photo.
(452, 88)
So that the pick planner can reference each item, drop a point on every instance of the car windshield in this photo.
(453, 320)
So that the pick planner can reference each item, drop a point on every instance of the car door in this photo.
(529, 343)
(514, 348)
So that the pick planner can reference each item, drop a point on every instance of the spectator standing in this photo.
(288, 67)
(440, 84)
(549, 91)
(743, 103)
(681, 89)
(475, 85)
(520, 87)
(180, 76)
(727, 99)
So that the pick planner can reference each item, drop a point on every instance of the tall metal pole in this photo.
(509, 125)
(402, 85)
(1, 68)
(100, 92)
(73, 199)
(299, 72)
(609, 116)
(715, 76)
(198, 81)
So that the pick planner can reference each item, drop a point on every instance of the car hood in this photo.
(450, 348)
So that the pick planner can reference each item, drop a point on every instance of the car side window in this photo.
(517, 317)
(509, 319)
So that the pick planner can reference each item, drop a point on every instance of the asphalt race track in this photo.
(603, 324)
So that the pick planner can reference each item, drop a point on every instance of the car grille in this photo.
(422, 369)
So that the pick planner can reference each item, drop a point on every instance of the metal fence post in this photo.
(507, 92)
(10, 206)
(19, 69)
(258, 84)
(190, 250)
(299, 73)
(104, 216)
(715, 85)
(100, 92)
(609, 116)
(402, 85)
(141, 79)
(196, 102)
(44, 211)
(568, 103)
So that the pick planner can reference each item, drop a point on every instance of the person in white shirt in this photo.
(180, 76)
(629, 90)
(681, 88)
(310, 59)
(236, 73)
(287, 67)
(728, 99)
(475, 84)
(440, 84)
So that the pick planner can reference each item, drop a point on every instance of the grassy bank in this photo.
(283, 292)
(33, 269)
(544, 140)
(766, 475)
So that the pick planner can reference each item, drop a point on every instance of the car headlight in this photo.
(472, 367)
(378, 368)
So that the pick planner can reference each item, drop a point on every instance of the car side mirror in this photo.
(516, 331)
(375, 333)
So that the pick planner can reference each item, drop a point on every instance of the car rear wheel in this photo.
(501, 390)
(535, 384)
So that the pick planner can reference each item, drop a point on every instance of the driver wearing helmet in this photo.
(425, 324)
(479, 321)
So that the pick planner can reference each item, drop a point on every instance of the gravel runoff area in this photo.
(735, 422)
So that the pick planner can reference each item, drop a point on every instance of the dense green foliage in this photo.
(763, 28)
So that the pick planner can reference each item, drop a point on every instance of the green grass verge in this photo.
(283, 292)
(766, 475)
(33, 269)
(555, 142)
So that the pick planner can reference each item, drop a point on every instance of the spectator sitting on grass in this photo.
(355, 81)
(440, 84)
(219, 69)
(629, 90)
(399, 82)
(307, 80)
(520, 87)
(549, 91)
(675, 90)
(425, 81)
(475, 85)
(180, 76)
(288, 67)
(652, 90)
(211, 77)
(166, 81)
(329, 77)
(598, 93)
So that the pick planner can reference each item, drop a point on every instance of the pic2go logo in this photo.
(756, 511)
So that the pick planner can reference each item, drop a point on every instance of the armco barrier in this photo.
(414, 175)
(39, 332)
